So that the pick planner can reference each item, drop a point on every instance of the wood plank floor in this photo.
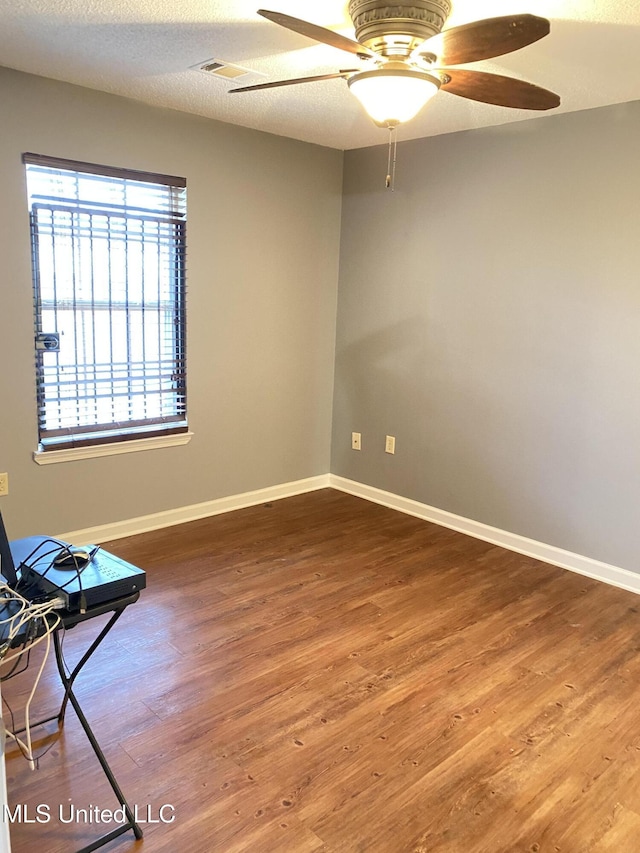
(322, 674)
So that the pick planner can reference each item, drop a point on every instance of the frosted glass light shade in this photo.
(393, 96)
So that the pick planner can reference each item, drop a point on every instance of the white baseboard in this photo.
(146, 523)
(612, 575)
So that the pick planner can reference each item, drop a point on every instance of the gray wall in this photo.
(263, 244)
(489, 318)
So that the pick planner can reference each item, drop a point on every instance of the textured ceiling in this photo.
(145, 49)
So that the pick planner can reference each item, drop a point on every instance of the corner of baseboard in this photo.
(612, 575)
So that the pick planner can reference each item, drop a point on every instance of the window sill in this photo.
(72, 454)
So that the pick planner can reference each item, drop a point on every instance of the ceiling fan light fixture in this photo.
(392, 96)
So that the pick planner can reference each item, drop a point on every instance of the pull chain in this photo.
(391, 167)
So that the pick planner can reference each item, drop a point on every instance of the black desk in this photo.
(67, 621)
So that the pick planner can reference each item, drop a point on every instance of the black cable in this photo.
(79, 570)
(29, 563)
(12, 672)
(63, 633)
(34, 758)
(62, 546)
(30, 632)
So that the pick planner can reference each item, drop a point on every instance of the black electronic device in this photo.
(103, 578)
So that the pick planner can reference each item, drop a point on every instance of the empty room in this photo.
(319, 427)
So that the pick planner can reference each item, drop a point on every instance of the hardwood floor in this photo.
(322, 674)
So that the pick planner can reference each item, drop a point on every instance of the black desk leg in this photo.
(67, 680)
(69, 696)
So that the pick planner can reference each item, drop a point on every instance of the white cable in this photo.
(35, 642)
(26, 614)
(27, 747)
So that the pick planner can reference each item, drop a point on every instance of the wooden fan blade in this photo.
(294, 81)
(498, 90)
(485, 39)
(317, 33)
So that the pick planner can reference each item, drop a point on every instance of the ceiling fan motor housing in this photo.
(396, 29)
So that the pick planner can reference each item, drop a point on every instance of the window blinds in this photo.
(109, 281)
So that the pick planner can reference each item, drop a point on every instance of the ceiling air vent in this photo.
(225, 70)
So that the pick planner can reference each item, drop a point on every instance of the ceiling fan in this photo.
(408, 57)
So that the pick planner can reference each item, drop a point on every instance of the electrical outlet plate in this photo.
(4, 484)
(390, 444)
(356, 441)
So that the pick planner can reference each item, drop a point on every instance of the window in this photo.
(108, 250)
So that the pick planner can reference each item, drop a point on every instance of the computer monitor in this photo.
(7, 566)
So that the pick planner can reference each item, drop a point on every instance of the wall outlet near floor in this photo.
(356, 441)
(390, 444)
(4, 484)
